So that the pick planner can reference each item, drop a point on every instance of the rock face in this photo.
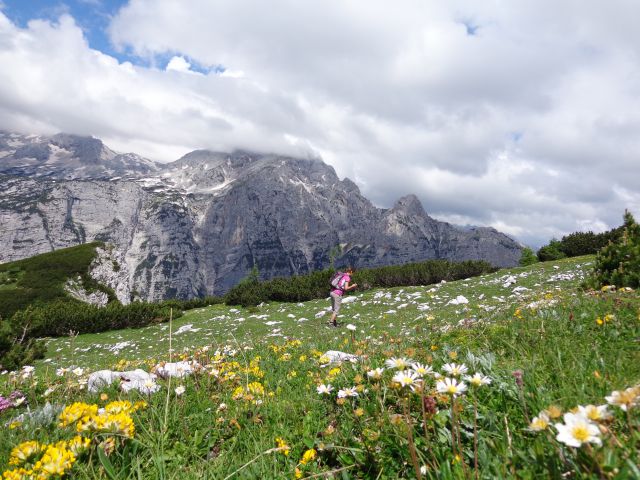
(198, 225)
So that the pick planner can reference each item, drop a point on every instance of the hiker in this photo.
(342, 285)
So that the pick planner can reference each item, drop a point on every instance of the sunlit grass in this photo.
(254, 410)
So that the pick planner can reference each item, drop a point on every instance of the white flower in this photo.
(324, 389)
(595, 413)
(625, 398)
(406, 378)
(450, 386)
(61, 372)
(422, 370)
(49, 391)
(477, 380)
(423, 469)
(180, 390)
(399, 363)
(352, 327)
(77, 371)
(455, 369)
(348, 392)
(376, 373)
(539, 423)
(28, 369)
(576, 430)
(18, 401)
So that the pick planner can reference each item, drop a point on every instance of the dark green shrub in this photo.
(618, 263)
(551, 252)
(528, 257)
(17, 348)
(252, 292)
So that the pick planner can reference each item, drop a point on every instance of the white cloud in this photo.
(528, 125)
(179, 64)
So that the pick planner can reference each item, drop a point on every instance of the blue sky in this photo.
(93, 16)
(523, 116)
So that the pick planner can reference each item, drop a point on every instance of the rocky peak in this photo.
(409, 205)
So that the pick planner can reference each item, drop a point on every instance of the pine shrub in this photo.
(618, 263)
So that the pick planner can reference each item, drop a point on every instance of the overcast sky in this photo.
(521, 115)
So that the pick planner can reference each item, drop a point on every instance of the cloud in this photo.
(520, 116)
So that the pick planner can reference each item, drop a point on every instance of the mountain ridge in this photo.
(198, 225)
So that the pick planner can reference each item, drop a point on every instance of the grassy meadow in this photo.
(265, 403)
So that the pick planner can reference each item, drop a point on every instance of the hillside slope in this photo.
(61, 274)
(265, 404)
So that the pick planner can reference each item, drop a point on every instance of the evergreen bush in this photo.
(252, 292)
(528, 257)
(618, 263)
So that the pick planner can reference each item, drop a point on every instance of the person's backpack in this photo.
(336, 279)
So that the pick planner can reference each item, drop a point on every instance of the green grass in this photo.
(41, 278)
(547, 330)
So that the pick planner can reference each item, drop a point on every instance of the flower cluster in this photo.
(582, 425)
(34, 460)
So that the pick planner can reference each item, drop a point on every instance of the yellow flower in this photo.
(17, 474)
(77, 411)
(358, 412)
(78, 445)
(308, 456)
(599, 321)
(553, 411)
(25, 452)
(282, 446)
(302, 358)
(15, 424)
(55, 461)
(434, 348)
(298, 473)
(104, 397)
(118, 406)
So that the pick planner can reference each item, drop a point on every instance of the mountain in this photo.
(198, 225)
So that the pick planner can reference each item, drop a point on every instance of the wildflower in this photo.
(454, 369)
(104, 397)
(595, 413)
(24, 452)
(282, 446)
(576, 430)
(75, 412)
(376, 373)
(422, 370)
(77, 371)
(324, 389)
(55, 461)
(180, 390)
(352, 327)
(358, 412)
(450, 386)
(477, 380)
(399, 363)
(517, 374)
(406, 378)
(453, 355)
(539, 423)
(624, 399)
(347, 392)
(78, 445)
(553, 411)
(308, 456)
(118, 406)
